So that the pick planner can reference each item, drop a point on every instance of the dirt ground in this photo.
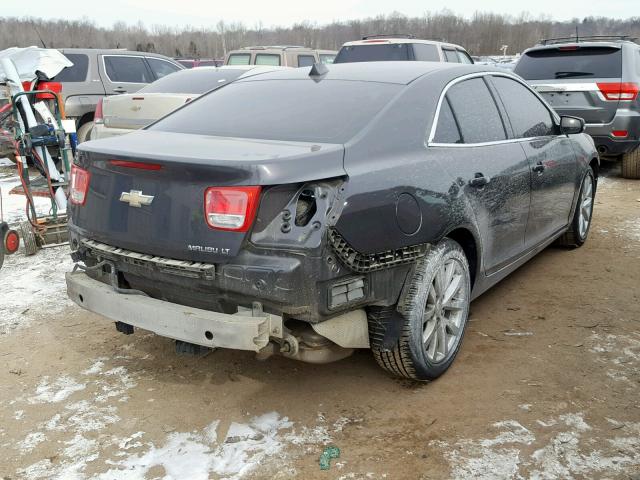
(545, 386)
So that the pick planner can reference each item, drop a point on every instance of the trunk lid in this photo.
(567, 77)
(171, 221)
(135, 111)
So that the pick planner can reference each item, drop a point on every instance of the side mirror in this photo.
(571, 125)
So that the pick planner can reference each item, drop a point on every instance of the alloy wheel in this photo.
(585, 206)
(444, 312)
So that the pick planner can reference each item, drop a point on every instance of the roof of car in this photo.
(581, 44)
(390, 40)
(384, 72)
(112, 51)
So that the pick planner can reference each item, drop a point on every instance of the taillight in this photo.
(231, 208)
(97, 116)
(619, 90)
(79, 185)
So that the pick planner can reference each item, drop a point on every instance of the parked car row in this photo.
(311, 211)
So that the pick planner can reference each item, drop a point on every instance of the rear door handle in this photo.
(478, 181)
(120, 90)
(538, 167)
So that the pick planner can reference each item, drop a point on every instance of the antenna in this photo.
(577, 37)
(38, 33)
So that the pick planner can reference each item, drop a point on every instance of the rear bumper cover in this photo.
(240, 331)
(607, 144)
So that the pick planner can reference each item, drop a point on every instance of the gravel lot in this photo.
(546, 385)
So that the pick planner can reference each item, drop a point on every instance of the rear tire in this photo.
(631, 164)
(434, 315)
(578, 231)
(84, 132)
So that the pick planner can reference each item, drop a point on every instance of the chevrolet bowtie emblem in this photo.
(135, 198)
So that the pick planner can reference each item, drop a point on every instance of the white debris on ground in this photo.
(559, 454)
(78, 430)
(30, 285)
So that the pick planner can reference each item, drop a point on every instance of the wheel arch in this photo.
(471, 247)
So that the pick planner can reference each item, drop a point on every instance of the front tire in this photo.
(631, 164)
(433, 316)
(581, 223)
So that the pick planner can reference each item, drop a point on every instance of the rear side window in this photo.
(425, 52)
(239, 59)
(528, 116)
(306, 60)
(451, 56)
(578, 62)
(476, 112)
(447, 130)
(267, 59)
(127, 69)
(77, 73)
(161, 68)
(373, 53)
(196, 81)
(331, 111)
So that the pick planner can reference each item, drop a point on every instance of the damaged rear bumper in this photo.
(245, 330)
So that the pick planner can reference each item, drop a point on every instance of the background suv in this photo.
(376, 48)
(96, 73)
(276, 56)
(595, 78)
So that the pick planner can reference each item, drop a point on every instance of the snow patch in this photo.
(55, 392)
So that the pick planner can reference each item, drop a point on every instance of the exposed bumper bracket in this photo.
(249, 329)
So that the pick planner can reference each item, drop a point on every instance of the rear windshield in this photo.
(77, 73)
(195, 81)
(374, 53)
(584, 62)
(330, 111)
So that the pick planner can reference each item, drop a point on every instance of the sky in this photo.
(203, 13)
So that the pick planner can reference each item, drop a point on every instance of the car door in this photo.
(490, 171)
(551, 158)
(124, 73)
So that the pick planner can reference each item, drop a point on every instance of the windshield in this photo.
(330, 111)
(373, 53)
(579, 62)
(197, 81)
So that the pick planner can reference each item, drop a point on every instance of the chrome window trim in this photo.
(430, 143)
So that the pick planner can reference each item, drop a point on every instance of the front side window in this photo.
(476, 112)
(447, 130)
(239, 59)
(306, 60)
(450, 56)
(127, 69)
(527, 114)
(267, 59)
(161, 68)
